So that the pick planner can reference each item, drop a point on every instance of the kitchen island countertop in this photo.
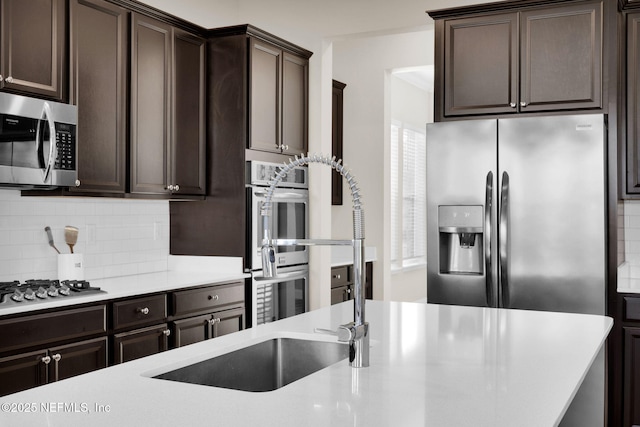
(433, 365)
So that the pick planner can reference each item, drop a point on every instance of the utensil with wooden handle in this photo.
(50, 237)
(70, 236)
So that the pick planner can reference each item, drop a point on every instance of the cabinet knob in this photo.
(144, 310)
(336, 276)
(176, 187)
(166, 332)
(9, 79)
(77, 183)
(523, 104)
(170, 187)
(213, 297)
(46, 360)
(1, 78)
(56, 357)
(512, 105)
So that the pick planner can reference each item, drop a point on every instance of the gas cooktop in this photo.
(42, 290)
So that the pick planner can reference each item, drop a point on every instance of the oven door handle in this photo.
(282, 277)
(281, 195)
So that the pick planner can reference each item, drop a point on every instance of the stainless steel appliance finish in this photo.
(42, 290)
(540, 185)
(281, 297)
(290, 213)
(37, 143)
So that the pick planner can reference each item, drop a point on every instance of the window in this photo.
(408, 196)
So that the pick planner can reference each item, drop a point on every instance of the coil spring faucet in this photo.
(356, 333)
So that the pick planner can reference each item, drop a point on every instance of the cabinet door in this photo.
(480, 72)
(633, 103)
(264, 103)
(150, 96)
(78, 358)
(561, 51)
(631, 377)
(340, 294)
(33, 47)
(192, 330)
(99, 58)
(229, 321)
(140, 342)
(188, 139)
(295, 89)
(22, 372)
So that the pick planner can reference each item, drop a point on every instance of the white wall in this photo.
(116, 237)
(363, 63)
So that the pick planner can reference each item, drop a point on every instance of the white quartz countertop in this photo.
(184, 271)
(431, 365)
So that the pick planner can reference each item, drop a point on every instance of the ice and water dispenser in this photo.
(461, 239)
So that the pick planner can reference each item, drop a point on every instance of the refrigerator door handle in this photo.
(504, 241)
(488, 202)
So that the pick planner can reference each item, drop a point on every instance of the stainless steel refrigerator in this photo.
(516, 218)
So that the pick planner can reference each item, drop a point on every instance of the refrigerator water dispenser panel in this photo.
(461, 239)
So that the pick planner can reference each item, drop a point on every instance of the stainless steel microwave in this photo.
(38, 146)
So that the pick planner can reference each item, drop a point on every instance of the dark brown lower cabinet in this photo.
(342, 283)
(140, 343)
(207, 326)
(632, 377)
(40, 367)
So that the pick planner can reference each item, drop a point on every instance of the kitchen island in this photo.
(431, 365)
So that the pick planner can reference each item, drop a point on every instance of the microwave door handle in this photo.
(53, 149)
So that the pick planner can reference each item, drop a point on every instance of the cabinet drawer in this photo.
(203, 299)
(139, 311)
(39, 329)
(631, 308)
(339, 276)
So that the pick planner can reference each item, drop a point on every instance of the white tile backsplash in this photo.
(117, 237)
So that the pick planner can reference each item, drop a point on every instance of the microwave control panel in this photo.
(66, 146)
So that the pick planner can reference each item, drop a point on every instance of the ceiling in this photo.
(323, 18)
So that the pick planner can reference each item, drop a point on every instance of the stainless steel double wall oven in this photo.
(286, 295)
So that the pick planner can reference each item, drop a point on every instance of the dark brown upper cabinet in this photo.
(531, 60)
(99, 65)
(164, 91)
(33, 53)
(633, 104)
(278, 99)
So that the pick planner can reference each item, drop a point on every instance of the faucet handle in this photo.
(344, 332)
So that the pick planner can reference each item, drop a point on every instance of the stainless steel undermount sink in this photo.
(265, 366)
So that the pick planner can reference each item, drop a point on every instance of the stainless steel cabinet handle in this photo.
(144, 310)
(504, 241)
(523, 104)
(512, 105)
(9, 79)
(167, 332)
(488, 205)
(46, 360)
(77, 183)
(176, 187)
(170, 187)
(56, 357)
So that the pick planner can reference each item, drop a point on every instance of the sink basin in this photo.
(265, 366)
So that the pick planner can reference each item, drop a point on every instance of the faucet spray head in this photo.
(268, 261)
